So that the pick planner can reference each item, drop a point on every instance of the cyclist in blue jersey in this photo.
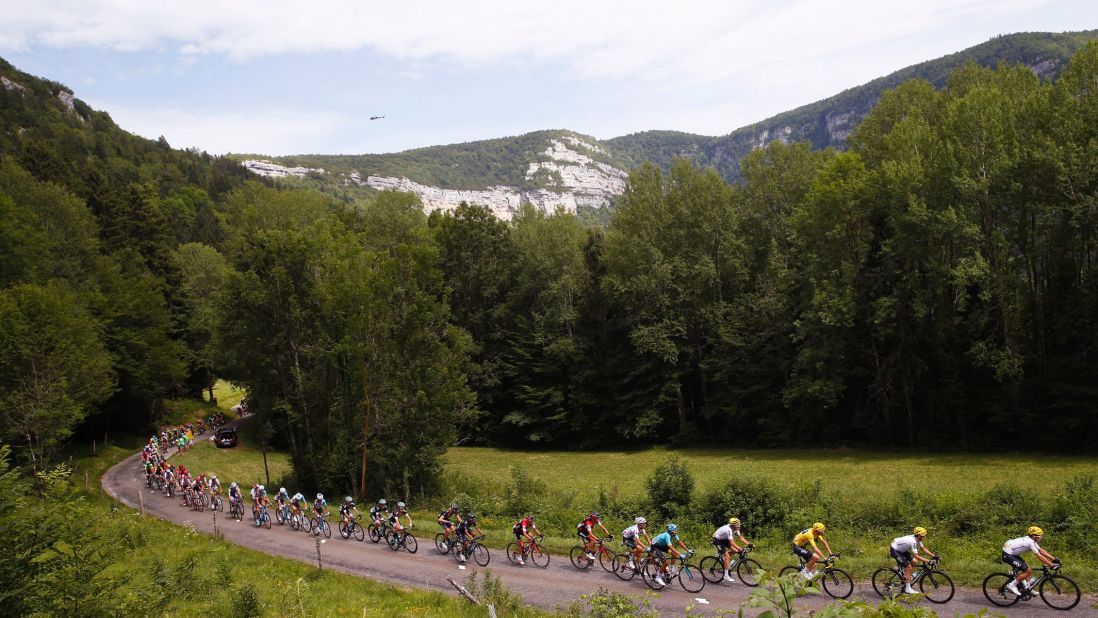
(664, 543)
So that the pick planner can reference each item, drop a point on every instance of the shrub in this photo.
(670, 487)
(246, 603)
(758, 503)
(1074, 514)
(609, 604)
(522, 494)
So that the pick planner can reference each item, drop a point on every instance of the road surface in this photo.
(555, 586)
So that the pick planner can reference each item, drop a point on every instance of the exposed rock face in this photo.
(10, 85)
(576, 180)
(274, 170)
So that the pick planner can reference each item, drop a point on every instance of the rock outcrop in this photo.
(273, 170)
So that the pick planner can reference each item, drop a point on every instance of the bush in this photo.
(609, 604)
(246, 603)
(1074, 514)
(757, 503)
(523, 493)
(670, 487)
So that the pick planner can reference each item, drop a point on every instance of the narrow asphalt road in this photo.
(555, 586)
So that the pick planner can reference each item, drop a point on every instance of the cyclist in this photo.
(800, 547)
(394, 518)
(630, 537)
(320, 507)
(215, 485)
(1012, 555)
(296, 503)
(446, 520)
(346, 510)
(665, 542)
(906, 550)
(281, 498)
(234, 494)
(585, 531)
(259, 500)
(466, 530)
(724, 539)
(521, 530)
(379, 513)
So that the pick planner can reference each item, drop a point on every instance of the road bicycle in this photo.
(282, 513)
(835, 581)
(298, 521)
(350, 528)
(472, 547)
(402, 538)
(1057, 591)
(377, 530)
(605, 558)
(690, 577)
(263, 518)
(443, 544)
(318, 525)
(216, 504)
(532, 551)
(236, 509)
(926, 577)
(747, 569)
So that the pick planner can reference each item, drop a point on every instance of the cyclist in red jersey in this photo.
(585, 531)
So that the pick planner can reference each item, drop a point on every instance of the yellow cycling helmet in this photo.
(733, 522)
(1035, 531)
(919, 531)
(818, 527)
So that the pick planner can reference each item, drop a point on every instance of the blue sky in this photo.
(281, 77)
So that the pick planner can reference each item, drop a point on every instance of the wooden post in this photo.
(141, 500)
(491, 611)
(465, 593)
(93, 447)
(85, 480)
(365, 428)
(319, 566)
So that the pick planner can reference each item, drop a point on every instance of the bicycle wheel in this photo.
(887, 582)
(295, 522)
(481, 555)
(393, 541)
(344, 530)
(712, 569)
(359, 533)
(787, 570)
(579, 558)
(267, 520)
(375, 534)
(995, 589)
(690, 578)
(1059, 592)
(606, 560)
(936, 586)
(458, 552)
(325, 529)
(649, 571)
(280, 517)
(622, 568)
(440, 542)
(748, 572)
(539, 557)
(512, 553)
(838, 583)
(410, 543)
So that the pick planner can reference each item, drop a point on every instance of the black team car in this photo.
(225, 437)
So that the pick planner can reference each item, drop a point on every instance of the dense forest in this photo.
(931, 287)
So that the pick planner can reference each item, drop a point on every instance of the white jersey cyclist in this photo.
(632, 532)
(906, 544)
(726, 533)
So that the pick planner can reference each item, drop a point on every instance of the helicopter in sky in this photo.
(376, 117)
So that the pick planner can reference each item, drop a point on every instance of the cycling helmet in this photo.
(453, 506)
(594, 514)
(261, 488)
(213, 477)
(818, 527)
(382, 502)
(919, 531)
(672, 528)
(320, 496)
(530, 518)
(640, 521)
(734, 521)
(1035, 531)
(281, 490)
(400, 505)
(233, 484)
(348, 500)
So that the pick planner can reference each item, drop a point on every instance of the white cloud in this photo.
(270, 132)
(688, 43)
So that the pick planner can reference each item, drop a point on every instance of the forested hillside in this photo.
(933, 286)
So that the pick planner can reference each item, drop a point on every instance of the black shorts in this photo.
(446, 525)
(657, 552)
(804, 552)
(517, 531)
(902, 558)
(721, 545)
(1015, 561)
(584, 534)
(630, 542)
